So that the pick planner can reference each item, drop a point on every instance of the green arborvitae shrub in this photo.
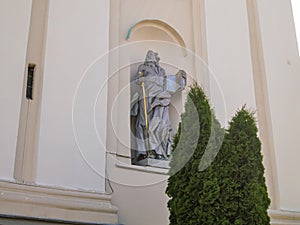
(230, 188)
(192, 187)
(243, 192)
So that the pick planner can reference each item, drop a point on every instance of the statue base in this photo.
(154, 163)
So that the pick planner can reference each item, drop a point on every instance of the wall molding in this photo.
(281, 217)
(262, 102)
(56, 203)
(26, 155)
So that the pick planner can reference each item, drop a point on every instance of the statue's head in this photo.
(152, 57)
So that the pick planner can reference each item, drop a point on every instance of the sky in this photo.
(296, 12)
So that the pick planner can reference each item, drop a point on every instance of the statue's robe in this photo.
(157, 108)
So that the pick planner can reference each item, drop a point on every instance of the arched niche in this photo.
(159, 31)
(155, 30)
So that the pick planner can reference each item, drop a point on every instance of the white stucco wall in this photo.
(229, 57)
(283, 70)
(14, 27)
(77, 35)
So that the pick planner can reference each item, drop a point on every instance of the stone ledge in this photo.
(10, 219)
(147, 169)
(56, 203)
(281, 217)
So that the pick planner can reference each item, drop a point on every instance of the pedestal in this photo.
(154, 163)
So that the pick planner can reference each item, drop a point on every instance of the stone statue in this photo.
(150, 105)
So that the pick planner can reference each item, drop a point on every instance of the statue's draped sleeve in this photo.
(134, 104)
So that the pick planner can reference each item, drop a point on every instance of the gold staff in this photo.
(146, 116)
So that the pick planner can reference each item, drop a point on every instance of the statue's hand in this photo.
(182, 73)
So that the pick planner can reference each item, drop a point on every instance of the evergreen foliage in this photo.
(230, 188)
(244, 192)
(192, 189)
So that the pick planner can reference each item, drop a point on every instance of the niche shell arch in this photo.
(160, 25)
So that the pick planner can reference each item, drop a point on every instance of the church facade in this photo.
(67, 81)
